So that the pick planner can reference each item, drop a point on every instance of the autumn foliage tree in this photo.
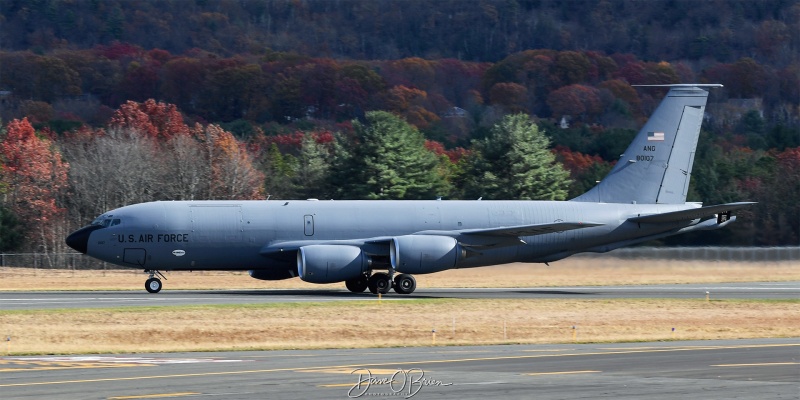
(413, 104)
(148, 153)
(585, 170)
(153, 119)
(575, 100)
(34, 178)
(233, 175)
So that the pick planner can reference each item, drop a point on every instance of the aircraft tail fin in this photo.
(657, 165)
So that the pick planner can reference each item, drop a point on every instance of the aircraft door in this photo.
(309, 225)
(135, 256)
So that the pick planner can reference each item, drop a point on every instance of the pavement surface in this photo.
(13, 300)
(720, 369)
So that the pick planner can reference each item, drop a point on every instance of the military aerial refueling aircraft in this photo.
(378, 245)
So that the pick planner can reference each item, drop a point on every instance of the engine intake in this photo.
(330, 263)
(424, 254)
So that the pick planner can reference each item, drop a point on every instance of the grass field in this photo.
(392, 323)
(406, 322)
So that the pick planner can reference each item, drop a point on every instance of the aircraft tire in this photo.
(357, 285)
(153, 285)
(405, 284)
(379, 283)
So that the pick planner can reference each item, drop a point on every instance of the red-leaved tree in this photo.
(233, 174)
(156, 120)
(33, 178)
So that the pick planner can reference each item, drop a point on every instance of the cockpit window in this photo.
(106, 221)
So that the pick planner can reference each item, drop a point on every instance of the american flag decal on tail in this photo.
(655, 136)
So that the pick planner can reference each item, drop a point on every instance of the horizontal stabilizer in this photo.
(688, 215)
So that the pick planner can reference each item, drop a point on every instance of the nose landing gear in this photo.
(153, 284)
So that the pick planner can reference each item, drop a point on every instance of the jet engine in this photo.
(330, 263)
(274, 274)
(424, 254)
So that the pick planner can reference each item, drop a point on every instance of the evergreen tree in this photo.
(10, 235)
(389, 161)
(313, 165)
(514, 163)
(279, 171)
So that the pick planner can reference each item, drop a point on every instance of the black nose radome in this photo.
(79, 240)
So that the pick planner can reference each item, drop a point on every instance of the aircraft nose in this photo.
(79, 240)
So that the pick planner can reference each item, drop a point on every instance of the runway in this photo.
(762, 368)
(102, 299)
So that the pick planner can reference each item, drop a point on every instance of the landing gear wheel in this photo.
(357, 285)
(404, 284)
(153, 285)
(379, 283)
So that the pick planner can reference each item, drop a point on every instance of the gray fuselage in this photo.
(233, 235)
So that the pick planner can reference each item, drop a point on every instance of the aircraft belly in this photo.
(213, 258)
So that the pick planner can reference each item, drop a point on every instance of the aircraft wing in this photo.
(692, 214)
(505, 236)
(529, 230)
(488, 237)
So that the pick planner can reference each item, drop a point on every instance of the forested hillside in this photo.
(479, 30)
(106, 103)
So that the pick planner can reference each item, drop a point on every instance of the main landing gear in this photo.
(153, 284)
(382, 282)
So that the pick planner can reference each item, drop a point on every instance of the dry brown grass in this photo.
(406, 322)
(392, 323)
(569, 272)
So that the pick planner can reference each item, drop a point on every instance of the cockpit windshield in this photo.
(106, 220)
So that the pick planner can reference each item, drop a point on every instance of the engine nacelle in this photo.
(330, 263)
(424, 254)
(275, 274)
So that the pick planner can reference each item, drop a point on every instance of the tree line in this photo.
(64, 88)
(53, 183)
(132, 101)
(481, 31)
